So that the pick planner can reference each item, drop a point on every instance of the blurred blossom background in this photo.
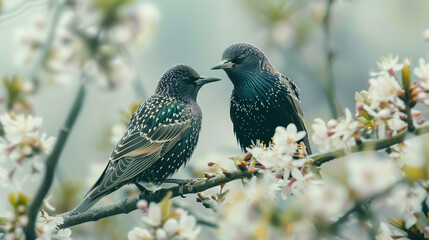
(123, 47)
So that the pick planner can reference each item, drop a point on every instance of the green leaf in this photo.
(166, 206)
(12, 200)
(3, 221)
(221, 197)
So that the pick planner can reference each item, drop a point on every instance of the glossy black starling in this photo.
(160, 137)
(262, 98)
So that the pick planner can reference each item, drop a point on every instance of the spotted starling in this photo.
(160, 137)
(262, 98)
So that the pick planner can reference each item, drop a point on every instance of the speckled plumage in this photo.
(160, 137)
(262, 98)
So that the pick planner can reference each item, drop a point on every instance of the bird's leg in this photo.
(182, 182)
(143, 190)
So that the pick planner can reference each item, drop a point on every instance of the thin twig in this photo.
(333, 227)
(49, 40)
(208, 202)
(202, 219)
(23, 7)
(359, 207)
(366, 213)
(52, 161)
(129, 204)
(330, 85)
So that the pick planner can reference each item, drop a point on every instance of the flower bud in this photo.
(142, 205)
(406, 74)
(385, 113)
(332, 123)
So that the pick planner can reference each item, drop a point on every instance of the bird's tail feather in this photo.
(86, 204)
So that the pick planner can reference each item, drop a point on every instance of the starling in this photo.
(160, 137)
(262, 98)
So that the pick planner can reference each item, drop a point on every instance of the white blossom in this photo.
(160, 234)
(298, 183)
(325, 200)
(389, 63)
(17, 127)
(270, 185)
(285, 139)
(179, 225)
(171, 226)
(64, 234)
(283, 32)
(396, 124)
(120, 70)
(21, 145)
(344, 130)
(154, 214)
(146, 16)
(142, 205)
(29, 37)
(61, 79)
(47, 225)
(406, 200)
(238, 218)
(422, 71)
(321, 135)
(368, 175)
(426, 34)
(122, 33)
(269, 158)
(400, 152)
(387, 231)
(382, 89)
(139, 234)
(187, 226)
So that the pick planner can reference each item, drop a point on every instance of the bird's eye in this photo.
(191, 80)
(238, 60)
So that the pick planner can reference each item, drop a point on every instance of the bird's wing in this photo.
(292, 101)
(292, 85)
(292, 94)
(151, 133)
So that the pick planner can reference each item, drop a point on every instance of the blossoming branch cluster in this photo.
(290, 175)
(21, 144)
(382, 110)
(96, 36)
(16, 220)
(96, 39)
(162, 222)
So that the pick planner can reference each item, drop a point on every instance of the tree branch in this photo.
(369, 145)
(51, 163)
(330, 86)
(208, 202)
(129, 204)
(359, 207)
(46, 48)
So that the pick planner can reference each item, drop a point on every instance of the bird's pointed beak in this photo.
(204, 80)
(222, 65)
